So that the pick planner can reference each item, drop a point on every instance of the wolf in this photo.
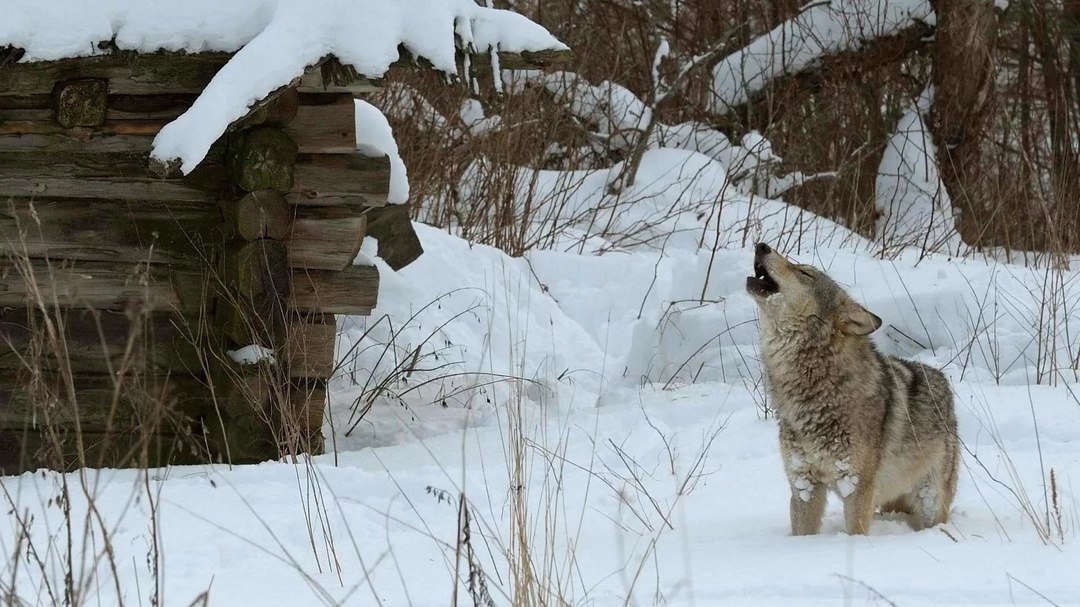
(878, 430)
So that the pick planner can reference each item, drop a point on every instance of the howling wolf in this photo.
(877, 430)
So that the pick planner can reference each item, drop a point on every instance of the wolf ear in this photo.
(857, 320)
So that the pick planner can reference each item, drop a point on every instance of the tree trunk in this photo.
(963, 77)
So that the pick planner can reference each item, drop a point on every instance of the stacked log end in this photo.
(129, 289)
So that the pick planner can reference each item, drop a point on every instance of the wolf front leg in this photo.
(859, 507)
(807, 506)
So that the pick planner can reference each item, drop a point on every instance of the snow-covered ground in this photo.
(595, 407)
(589, 429)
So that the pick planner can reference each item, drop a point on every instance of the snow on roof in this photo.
(820, 29)
(274, 41)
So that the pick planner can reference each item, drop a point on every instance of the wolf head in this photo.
(792, 295)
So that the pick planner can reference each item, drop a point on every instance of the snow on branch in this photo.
(820, 29)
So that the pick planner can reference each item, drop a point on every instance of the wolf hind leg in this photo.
(931, 499)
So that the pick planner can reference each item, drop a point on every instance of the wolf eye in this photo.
(805, 272)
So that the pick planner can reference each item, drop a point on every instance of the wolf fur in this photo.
(877, 430)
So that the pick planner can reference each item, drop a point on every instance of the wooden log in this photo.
(93, 285)
(392, 227)
(122, 176)
(259, 214)
(325, 238)
(128, 73)
(29, 450)
(302, 417)
(312, 82)
(244, 390)
(142, 231)
(340, 180)
(100, 402)
(261, 158)
(279, 109)
(325, 129)
(147, 107)
(257, 284)
(257, 268)
(100, 341)
(309, 346)
(308, 400)
(80, 102)
(353, 290)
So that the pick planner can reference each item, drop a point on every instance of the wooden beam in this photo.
(99, 341)
(340, 179)
(309, 346)
(392, 227)
(128, 73)
(353, 290)
(101, 402)
(325, 238)
(94, 285)
(118, 231)
(325, 129)
(259, 214)
(119, 176)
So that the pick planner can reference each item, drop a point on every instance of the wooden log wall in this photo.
(125, 289)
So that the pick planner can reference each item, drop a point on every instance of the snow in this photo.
(274, 42)
(610, 411)
(820, 29)
(252, 354)
(374, 137)
(915, 210)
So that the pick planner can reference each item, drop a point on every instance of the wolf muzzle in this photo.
(761, 284)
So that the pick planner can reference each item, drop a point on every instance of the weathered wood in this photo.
(392, 227)
(243, 390)
(257, 268)
(312, 82)
(80, 102)
(302, 417)
(325, 238)
(340, 180)
(113, 136)
(123, 176)
(308, 400)
(261, 158)
(259, 214)
(95, 285)
(102, 403)
(147, 107)
(29, 450)
(100, 342)
(309, 346)
(108, 230)
(353, 290)
(257, 282)
(127, 73)
(325, 129)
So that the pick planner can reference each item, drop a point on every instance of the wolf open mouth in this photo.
(761, 284)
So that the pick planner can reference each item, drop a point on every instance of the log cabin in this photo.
(183, 202)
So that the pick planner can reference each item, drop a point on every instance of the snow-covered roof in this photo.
(273, 41)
